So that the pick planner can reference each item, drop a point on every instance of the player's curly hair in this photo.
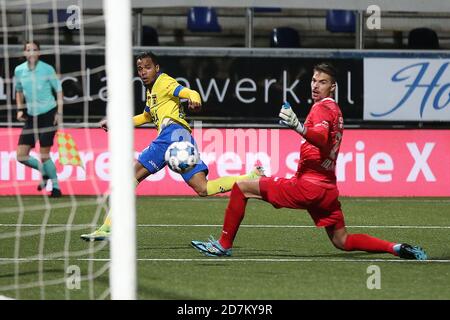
(327, 68)
(148, 54)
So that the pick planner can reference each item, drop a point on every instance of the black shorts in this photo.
(39, 127)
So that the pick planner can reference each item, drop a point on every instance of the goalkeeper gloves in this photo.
(289, 119)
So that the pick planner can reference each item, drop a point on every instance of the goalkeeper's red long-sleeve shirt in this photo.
(318, 152)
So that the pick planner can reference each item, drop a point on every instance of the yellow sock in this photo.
(107, 221)
(223, 184)
(107, 224)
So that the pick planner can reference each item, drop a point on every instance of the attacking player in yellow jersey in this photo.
(163, 109)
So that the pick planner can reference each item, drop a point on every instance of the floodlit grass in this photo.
(278, 254)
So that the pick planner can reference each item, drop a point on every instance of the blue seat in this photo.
(61, 19)
(284, 37)
(61, 15)
(266, 9)
(341, 21)
(203, 19)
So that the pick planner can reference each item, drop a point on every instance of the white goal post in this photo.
(120, 106)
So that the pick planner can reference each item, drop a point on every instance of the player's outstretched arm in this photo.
(138, 120)
(142, 118)
(289, 119)
(195, 101)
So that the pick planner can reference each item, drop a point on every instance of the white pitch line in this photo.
(346, 199)
(217, 259)
(226, 198)
(292, 260)
(387, 200)
(286, 226)
(47, 225)
(219, 225)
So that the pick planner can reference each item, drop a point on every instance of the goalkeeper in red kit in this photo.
(314, 185)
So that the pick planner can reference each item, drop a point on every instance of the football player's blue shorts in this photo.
(152, 157)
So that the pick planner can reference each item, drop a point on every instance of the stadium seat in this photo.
(203, 19)
(266, 9)
(285, 37)
(61, 15)
(423, 38)
(149, 36)
(341, 21)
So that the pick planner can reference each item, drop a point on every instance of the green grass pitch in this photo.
(278, 254)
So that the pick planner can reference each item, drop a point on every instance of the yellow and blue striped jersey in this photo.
(163, 103)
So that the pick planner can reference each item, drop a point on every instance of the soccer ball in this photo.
(182, 156)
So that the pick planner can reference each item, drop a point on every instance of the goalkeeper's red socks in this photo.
(364, 242)
(233, 216)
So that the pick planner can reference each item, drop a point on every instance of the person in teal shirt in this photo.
(36, 82)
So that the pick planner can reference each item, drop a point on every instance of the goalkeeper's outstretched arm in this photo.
(317, 136)
(289, 119)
